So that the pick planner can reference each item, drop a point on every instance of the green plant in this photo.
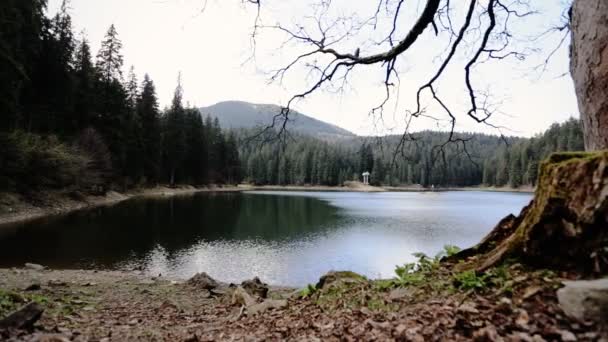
(415, 273)
(451, 250)
(470, 280)
(308, 291)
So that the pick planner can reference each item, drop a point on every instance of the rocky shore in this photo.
(509, 303)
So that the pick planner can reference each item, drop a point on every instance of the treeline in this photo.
(69, 119)
(518, 164)
(487, 159)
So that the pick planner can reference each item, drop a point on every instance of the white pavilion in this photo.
(365, 177)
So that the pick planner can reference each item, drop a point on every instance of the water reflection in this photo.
(285, 238)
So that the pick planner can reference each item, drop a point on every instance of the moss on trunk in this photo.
(564, 227)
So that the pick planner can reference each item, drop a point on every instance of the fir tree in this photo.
(109, 58)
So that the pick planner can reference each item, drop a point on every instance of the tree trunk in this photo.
(589, 69)
(565, 226)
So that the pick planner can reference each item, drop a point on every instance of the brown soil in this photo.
(515, 304)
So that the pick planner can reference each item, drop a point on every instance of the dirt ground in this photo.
(510, 304)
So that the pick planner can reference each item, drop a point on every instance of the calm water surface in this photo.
(286, 238)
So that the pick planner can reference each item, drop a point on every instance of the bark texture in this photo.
(589, 69)
(565, 226)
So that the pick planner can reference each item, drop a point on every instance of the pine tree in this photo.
(109, 58)
(113, 119)
(174, 139)
(21, 26)
(148, 112)
(132, 88)
(84, 82)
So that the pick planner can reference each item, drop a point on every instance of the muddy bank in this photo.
(16, 208)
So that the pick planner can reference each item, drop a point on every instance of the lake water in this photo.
(285, 238)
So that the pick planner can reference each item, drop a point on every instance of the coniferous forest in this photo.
(488, 160)
(73, 119)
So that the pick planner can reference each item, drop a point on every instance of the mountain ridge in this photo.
(241, 114)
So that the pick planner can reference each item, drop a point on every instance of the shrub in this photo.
(33, 162)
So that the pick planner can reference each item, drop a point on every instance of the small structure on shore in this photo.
(365, 177)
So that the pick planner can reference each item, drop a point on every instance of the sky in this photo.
(210, 44)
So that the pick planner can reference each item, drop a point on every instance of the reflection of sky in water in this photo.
(374, 232)
(286, 238)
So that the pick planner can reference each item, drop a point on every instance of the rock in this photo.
(413, 335)
(203, 281)
(266, 305)
(399, 293)
(468, 308)
(167, 306)
(505, 305)
(531, 291)
(23, 318)
(567, 336)
(488, 333)
(241, 297)
(522, 319)
(255, 287)
(33, 287)
(339, 276)
(366, 311)
(34, 267)
(56, 282)
(586, 300)
(50, 338)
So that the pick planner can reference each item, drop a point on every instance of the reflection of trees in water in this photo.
(275, 217)
(131, 230)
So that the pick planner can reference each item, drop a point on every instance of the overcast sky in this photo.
(211, 49)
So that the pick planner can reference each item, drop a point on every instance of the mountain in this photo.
(239, 114)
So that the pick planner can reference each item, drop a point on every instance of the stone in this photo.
(35, 267)
(567, 336)
(266, 305)
(468, 308)
(399, 293)
(241, 297)
(203, 281)
(255, 287)
(33, 287)
(488, 333)
(51, 338)
(585, 300)
(23, 318)
(339, 276)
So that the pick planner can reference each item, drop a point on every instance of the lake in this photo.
(285, 238)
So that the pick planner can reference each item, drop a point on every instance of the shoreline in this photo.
(346, 188)
(15, 209)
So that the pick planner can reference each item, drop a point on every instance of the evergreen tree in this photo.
(174, 139)
(21, 26)
(132, 88)
(114, 119)
(109, 58)
(84, 85)
(148, 112)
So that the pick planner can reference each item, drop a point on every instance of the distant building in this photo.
(365, 177)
